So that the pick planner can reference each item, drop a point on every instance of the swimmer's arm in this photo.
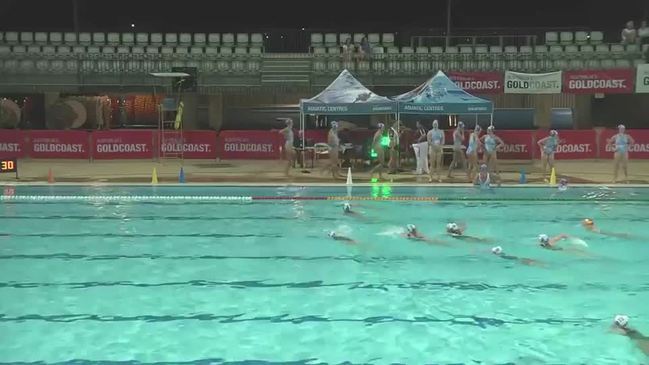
(500, 142)
(631, 140)
(554, 240)
(541, 141)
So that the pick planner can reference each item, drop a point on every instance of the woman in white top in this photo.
(643, 32)
(333, 141)
(289, 153)
(435, 151)
(629, 33)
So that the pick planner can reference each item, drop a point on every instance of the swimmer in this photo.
(563, 185)
(589, 225)
(413, 234)
(483, 179)
(436, 142)
(378, 148)
(457, 231)
(620, 143)
(550, 243)
(492, 143)
(548, 146)
(347, 210)
(621, 326)
(289, 152)
(338, 237)
(472, 153)
(498, 251)
(458, 149)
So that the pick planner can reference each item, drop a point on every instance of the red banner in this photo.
(59, 144)
(251, 145)
(576, 144)
(12, 143)
(122, 144)
(518, 145)
(478, 82)
(194, 144)
(640, 149)
(613, 81)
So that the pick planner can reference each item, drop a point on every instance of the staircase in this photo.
(282, 68)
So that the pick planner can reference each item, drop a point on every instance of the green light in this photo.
(375, 188)
(373, 154)
(385, 141)
(387, 191)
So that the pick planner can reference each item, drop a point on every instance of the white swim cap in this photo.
(491, 128)
(543, 238)
(554, 133)
(380, 125)
(435, 123)
(460, 124)
(411, 228)
(451, 227)
(334, 124)
(347, 207)
(497, 250)
(621, 320)
(478, 128)
(621, 126)
(332, 234)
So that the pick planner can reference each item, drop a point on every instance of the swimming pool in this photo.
(175, 277)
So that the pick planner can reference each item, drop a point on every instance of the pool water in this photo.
(194, 281)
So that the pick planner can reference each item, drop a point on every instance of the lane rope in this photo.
(203, 198)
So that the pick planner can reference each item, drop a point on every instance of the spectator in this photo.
(348, 49)
(366, 49)
(629, 33)
(643, 32)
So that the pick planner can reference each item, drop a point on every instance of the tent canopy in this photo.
(346, 95)
(440, 95)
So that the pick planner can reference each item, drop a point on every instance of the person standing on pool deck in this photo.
(334, 149)
(421, 150)
(491, 145)
(548, 146)
(458, 146)
(380, 155)
(472, 153)
(436, 141)
(621, 143)
(289, 153)
(621, 326)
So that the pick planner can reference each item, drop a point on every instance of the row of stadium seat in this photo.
(394, 65)
(130, 39)
(387, 39)
(555, 50)
(333, 39)
(132, 66)
(92, 50)
(579, 38)
(405, 66)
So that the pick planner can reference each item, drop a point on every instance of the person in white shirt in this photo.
(421, 149)
(643, 32)
(629, 33)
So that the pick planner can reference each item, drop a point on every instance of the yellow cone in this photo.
(553, 177)
(154, 176)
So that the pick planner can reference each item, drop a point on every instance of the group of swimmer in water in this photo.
(489, 143)
(547, 242)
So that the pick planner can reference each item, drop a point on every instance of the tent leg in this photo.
(302, 130)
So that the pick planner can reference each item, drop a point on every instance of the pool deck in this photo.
(270, 172)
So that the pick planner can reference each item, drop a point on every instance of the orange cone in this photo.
(50, 177)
